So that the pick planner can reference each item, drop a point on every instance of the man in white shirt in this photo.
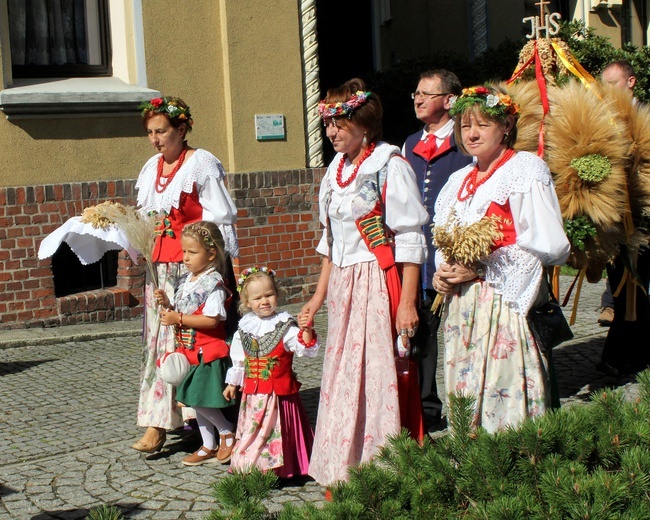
(434, 156)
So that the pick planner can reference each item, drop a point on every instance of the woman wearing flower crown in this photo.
(183, 185)
(490, 352)
(371, 209)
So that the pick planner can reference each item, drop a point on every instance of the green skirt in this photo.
(204, 385)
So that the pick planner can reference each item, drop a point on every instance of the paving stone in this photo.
(66, 431)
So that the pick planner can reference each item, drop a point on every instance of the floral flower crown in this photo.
(343, 108)
(203, 233)
(168, 107)
(496, 105)
(252, 270)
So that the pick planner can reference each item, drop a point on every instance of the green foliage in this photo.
(578, 230)
(497, 64)
(595, 52)
(105, 512)
(587, 461)
(244, 494)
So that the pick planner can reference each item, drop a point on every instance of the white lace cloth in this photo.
(405, 214)
(514, 271)
(206, 171)
(257, 327)
(87, 242)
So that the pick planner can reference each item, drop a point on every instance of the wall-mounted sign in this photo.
(269, 126)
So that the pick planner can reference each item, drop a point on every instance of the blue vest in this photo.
(431, 177)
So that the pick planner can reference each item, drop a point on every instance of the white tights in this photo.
(208, 419)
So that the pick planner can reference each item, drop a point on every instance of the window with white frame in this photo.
(59, 38)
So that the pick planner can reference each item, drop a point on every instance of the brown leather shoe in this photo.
(606, 317)
(225, 452)
(197, 460)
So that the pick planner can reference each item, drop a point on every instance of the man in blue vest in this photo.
(434, 156)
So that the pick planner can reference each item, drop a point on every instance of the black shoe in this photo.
(608, 369)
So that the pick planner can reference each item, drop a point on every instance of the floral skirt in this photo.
(491, 355)
(157, 403)
(273, 432)
(359, 404)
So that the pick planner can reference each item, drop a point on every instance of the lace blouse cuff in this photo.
(235, 376)
(410, 247)
(230, 239)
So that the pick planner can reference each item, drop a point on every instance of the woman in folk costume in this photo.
(184, 185)
(508, 196)
(371, 209)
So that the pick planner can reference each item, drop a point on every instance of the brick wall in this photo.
(278, 226)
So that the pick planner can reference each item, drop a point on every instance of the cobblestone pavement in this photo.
(69, 419)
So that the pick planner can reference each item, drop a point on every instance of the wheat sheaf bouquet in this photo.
(139, 228)
(465, 244)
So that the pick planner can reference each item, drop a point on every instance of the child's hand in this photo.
(161, 297)
(168, 318)
(304, 321)
(230, 392)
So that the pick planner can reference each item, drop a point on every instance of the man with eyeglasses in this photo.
(434, 156)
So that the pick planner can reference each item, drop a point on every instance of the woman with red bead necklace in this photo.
(185, 185)
(490, 353)
(372, 213)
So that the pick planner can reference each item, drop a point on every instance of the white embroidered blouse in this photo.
(405, 214)
(258, 327)
(206, 171)
(515, 271)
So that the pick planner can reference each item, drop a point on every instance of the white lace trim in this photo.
(410, 247)
(516, 275)
(372, 164)
(235, 376)
(200, 165)
(516, 176)
(257, 327)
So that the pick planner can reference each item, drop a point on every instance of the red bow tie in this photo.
(427, 147)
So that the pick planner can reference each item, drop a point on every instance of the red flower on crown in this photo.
(157, 102)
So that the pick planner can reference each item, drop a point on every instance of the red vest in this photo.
(167, 247)
(211, 342)
(506, 225)
(272, 373)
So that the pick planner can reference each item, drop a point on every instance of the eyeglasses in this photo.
(427, 94)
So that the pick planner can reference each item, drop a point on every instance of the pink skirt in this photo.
(359, 404)
(273, 432)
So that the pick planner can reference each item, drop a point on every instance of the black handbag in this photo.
(548, 324)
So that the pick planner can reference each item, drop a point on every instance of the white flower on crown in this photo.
(452, 101)
(172, 110)
(491, 100)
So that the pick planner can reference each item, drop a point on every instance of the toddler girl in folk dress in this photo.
(198, 312)
(273, 430)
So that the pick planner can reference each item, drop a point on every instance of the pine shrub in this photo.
(588, 461)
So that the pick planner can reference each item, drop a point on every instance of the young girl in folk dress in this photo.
(273, 429)
(198, 312)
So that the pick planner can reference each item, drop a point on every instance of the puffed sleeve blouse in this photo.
(203, 171)
(515, 271)
(404, 212)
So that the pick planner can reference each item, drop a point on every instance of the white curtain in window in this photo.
(48, 32)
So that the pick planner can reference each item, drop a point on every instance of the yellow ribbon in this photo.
(569, 61)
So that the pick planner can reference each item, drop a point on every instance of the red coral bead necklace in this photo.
(160, 185)
(470, 183)
(339, 171)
